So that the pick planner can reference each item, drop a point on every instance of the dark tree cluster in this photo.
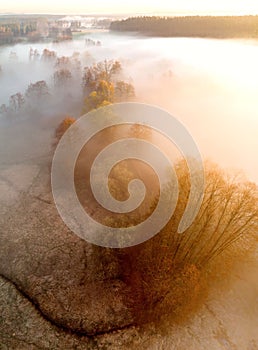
(11, 33)
(191, 26)
(90, 42)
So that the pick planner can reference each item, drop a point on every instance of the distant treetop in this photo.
(191, 26)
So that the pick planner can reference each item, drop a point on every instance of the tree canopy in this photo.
(191, 26)
(102, 85)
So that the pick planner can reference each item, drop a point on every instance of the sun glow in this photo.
(220, 7)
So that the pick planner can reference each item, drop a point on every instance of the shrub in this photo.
(63, 126)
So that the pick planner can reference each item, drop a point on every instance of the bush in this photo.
(63, 126)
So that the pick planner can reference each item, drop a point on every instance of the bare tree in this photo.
(106, 70)
(62, 77)
(16, 101)
(3, 109)
(48, 55)
(37, 91)
(166, 271)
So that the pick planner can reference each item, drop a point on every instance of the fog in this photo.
(210, 85)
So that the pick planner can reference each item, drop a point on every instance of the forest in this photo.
(191, 26)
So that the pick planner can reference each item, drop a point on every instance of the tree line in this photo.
(101, 83)
(191, 26)
(11, 33)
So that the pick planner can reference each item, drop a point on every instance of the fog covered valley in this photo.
(210, 85)
(74, 294)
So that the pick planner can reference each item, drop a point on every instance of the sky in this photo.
(217, 7)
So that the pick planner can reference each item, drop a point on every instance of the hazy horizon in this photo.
(115, 7)
(171, 14)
